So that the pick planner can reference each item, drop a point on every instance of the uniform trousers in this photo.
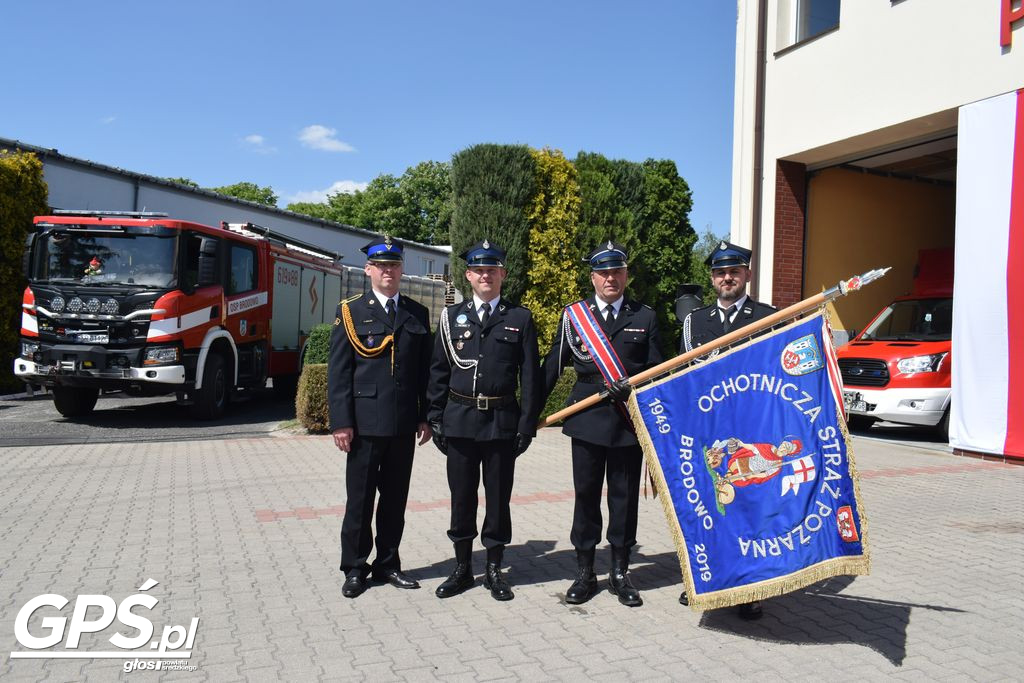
(591, 464)
(375, 464)
(466, 458)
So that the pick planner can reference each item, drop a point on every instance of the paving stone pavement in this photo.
(242, 533)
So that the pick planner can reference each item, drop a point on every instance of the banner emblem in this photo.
(802, 356)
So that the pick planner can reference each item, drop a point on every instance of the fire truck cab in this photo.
(149, 305)
(898, 368)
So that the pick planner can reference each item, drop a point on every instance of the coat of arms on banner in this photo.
(754, 467)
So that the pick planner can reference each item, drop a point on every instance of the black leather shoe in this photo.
(583, 588)
(461, 579)
(618, 579)
(397, 578)
(495, 582)
(751, 611)
(684, 599)
(354, 586)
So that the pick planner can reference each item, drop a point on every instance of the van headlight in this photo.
(916, 364)
(161, 355)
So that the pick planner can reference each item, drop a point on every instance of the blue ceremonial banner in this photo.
(752, 460)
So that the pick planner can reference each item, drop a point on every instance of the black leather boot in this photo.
(618, 580)
(462, 577)
(585, 585)
(494, 580)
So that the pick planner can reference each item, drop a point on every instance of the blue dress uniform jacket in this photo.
(362, 392)
(634, 336)
(704, 324)
(506, 356)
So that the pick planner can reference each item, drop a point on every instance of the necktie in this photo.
(485, 314)
(609, 313)
(727, 317)
(390, 308)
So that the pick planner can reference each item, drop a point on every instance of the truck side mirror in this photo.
(26, 257)
(208, 270)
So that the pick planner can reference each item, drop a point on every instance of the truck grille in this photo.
(864, 372)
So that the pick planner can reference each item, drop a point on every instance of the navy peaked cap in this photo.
(383, 249)
(607, 256)
(484, 253)
(727, 254)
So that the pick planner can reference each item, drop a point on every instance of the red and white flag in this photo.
(988, 292)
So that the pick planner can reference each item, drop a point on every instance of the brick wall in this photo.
(790, 209)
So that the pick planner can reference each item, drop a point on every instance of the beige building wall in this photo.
(891, 73)
(857, 222)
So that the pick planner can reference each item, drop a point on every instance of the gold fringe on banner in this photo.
(839, 566)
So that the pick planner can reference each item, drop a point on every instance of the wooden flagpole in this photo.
(810, 303)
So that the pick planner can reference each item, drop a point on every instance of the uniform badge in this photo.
(487, 245)
(610, 245)
(387, 242)
(370, 341)
(460, 345)
(723, 245)
(337, 321)
(462, 319)
(467, 334)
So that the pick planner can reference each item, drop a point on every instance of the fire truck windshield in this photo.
(98, 258)
(913, 320)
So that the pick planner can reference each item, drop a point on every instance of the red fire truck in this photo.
(148, 305)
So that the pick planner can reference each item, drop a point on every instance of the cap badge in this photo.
(610, 245)
(487, 245)
(387, 241)
(723, 245)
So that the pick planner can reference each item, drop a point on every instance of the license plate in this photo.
(854, 402)
(92, 338)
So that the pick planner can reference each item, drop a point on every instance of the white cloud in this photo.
(107, 120)
(323, 138)
(258, 144)
(320, 196)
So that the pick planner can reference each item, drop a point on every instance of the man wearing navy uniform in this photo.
(730, 273)
(485, 348)
(604, 444)
(376, 388)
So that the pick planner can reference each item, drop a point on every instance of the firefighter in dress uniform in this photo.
(485, 348)
(730, 273)
(604, 444)
(376, 386)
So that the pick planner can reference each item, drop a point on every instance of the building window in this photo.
(428, 265)
(815, 17)
(801, 20)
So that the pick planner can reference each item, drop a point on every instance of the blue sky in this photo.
(306, 96)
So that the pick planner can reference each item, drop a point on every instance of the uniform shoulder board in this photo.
(349, 300)
(647, 307)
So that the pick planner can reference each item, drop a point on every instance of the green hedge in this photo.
(559, 395)
(23, 194)
(318, 345)
(311, 399)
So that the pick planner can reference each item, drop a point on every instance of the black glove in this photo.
(521, 443)
(437, 434)
(620, 389)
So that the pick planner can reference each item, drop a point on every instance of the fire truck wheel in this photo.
(74, 401)
(212, 398)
